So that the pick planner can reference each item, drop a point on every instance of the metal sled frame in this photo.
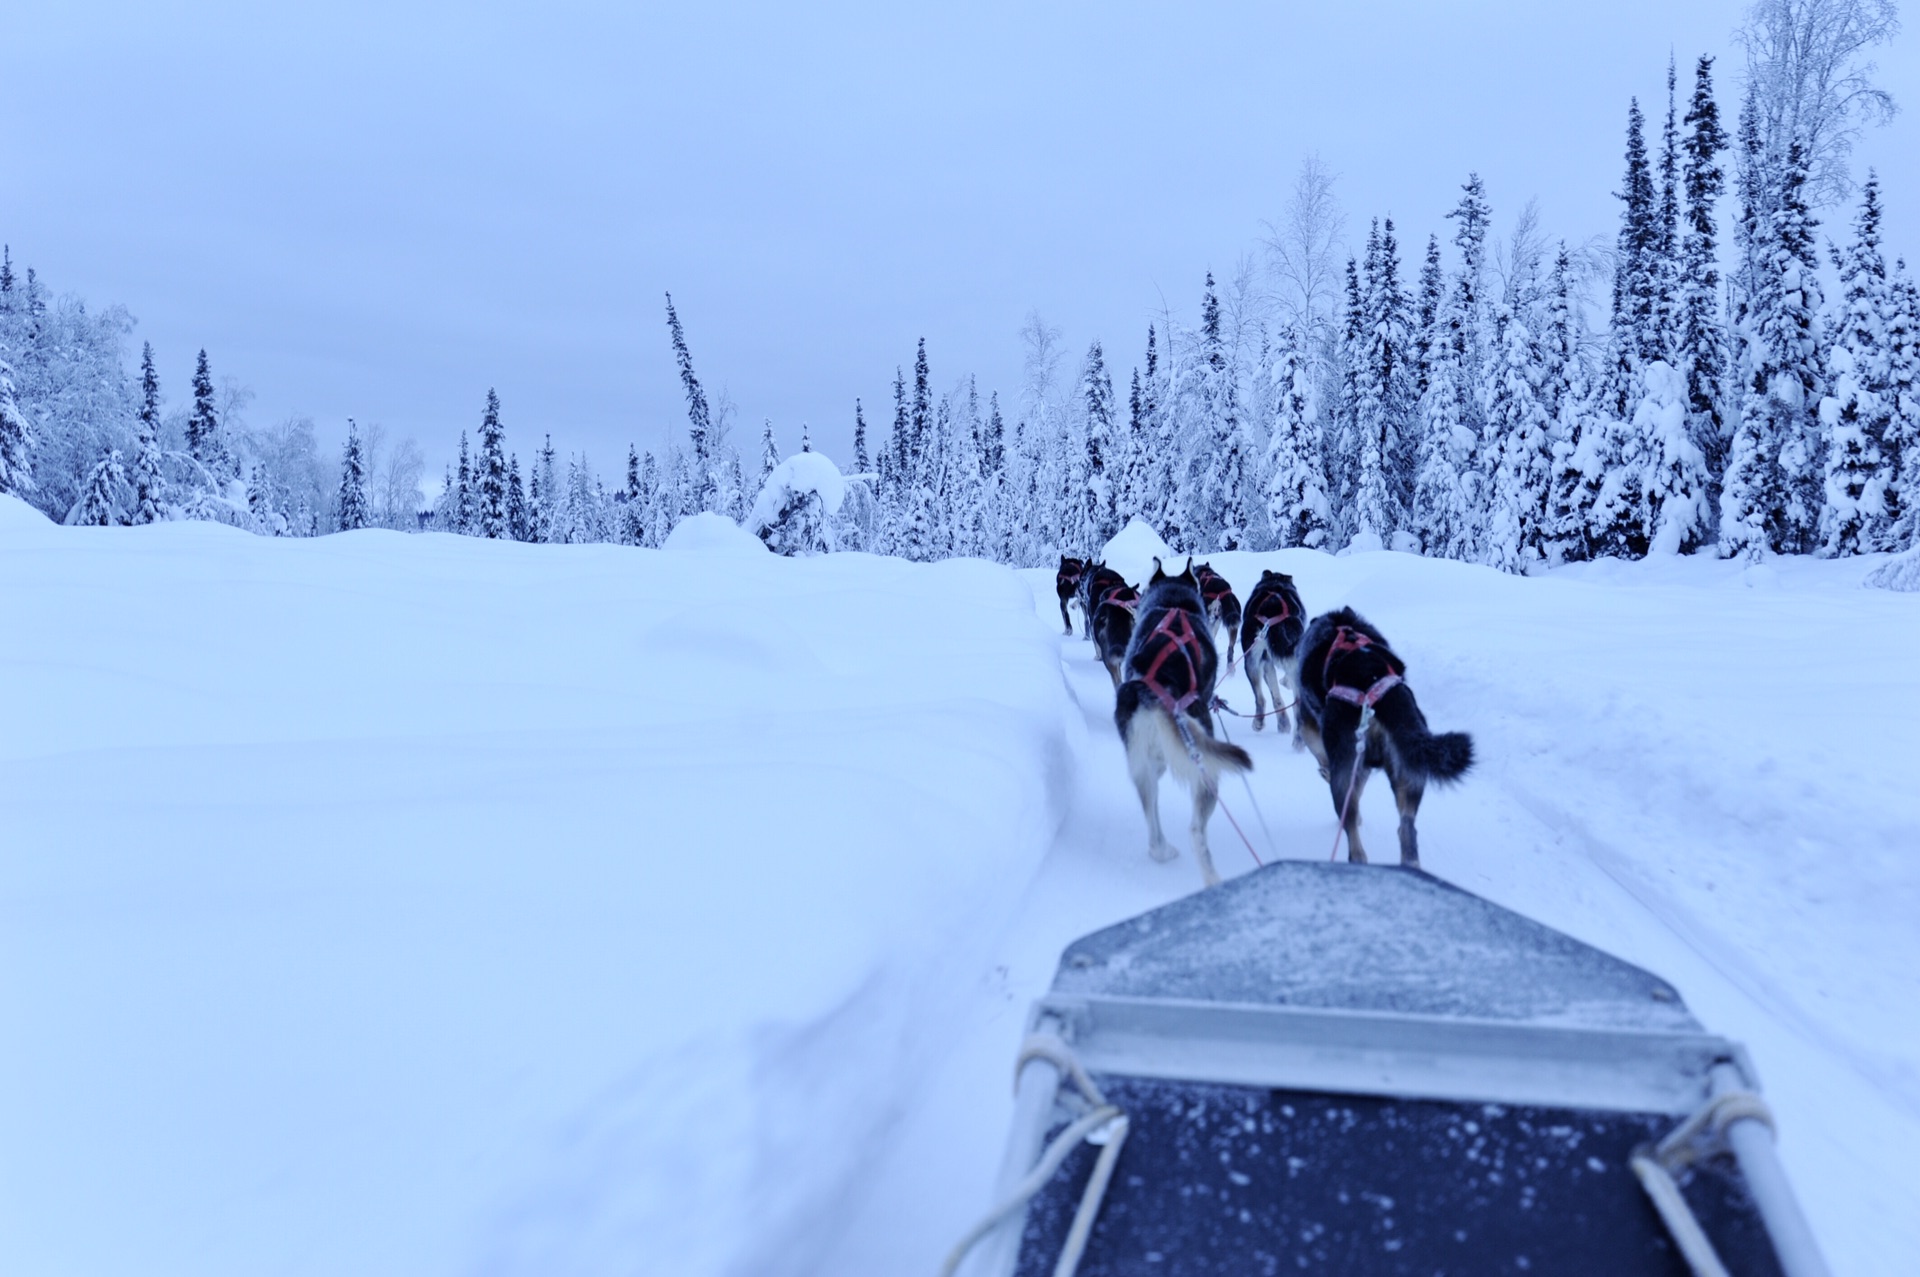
(1422, 992)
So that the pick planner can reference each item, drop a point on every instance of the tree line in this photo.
(1511, 401)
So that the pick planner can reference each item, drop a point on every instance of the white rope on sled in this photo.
(1103, 1124)
(1702, 1135)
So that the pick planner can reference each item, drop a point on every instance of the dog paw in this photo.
(1162, 852)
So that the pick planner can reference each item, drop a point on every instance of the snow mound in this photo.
(1901, 572)
(710, 533)
(15, 513)
(1133, 549)
(798, 475)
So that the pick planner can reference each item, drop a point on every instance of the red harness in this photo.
(1113, 594)
(1348, 639)
(1177, 627)
(1286, 610)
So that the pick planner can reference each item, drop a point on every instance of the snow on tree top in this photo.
(798, 475)
(1133, 549)
(710, 533)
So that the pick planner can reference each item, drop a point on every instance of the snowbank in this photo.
(1901, 572)
(385, 904)
(710, 533)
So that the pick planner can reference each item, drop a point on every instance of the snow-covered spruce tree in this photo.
(1297, 509)
(895, 472)
(1384, 391)
(1153, 475)
(543, 496)
(1664, 269)
(704, 492)
(1679, 515)
(967, 483)
(351, 503)
(519, 525)
(1558, 340)
(1428, 314)
(464, 505)
(149, 481)
(918, 473)
(1470, 330)
(99, 505)
(491, 481)
(652, 502)
(1517, 425)
(1634, 331)
(861, 463)
(1576, 477)
(938, 462)
(633, 510)
(1343, 444)
(735, 500)
(1700, 353)
(1102, 498)
(1776, 484)
(995, 494)
(1443, 518)
(263, 508)
(203, 424)
(16, 440)
(1903, 410)
(769, 452)
(1855, 414)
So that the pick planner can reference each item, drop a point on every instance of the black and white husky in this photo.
(1346, 668)
(1270, 630)
(1162, 709)
(1223, 608)
(1094, 582)
(1113, 626)
(1066, 584)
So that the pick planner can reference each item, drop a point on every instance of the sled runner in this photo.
(1360, 1069)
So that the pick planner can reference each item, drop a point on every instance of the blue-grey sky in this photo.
(380, 210)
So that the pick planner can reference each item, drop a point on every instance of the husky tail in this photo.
(1443, 758)
(1146, 725)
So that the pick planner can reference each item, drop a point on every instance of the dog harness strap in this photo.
(1176, 642)
(1348, 639)
(1368, 699)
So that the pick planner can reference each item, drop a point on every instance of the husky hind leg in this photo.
(1146, 764)
(1206, 794)
(1271, 670)
(1254, 663)
(1346, 772)
(1408, 786)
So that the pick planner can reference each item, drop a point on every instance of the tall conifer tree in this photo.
(149, 484)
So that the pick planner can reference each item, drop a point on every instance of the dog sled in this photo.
(1363, 1070)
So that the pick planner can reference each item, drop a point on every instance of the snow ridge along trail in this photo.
(419, 905)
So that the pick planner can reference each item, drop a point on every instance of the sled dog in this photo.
(1162, 709)
(1270, 631)
(1345, 666)
(1066, 584)
(1223, 609)
(1095, 581)
(1113, 626)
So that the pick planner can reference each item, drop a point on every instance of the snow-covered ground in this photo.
(414, 905)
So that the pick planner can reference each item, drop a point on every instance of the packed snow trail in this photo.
(1662, 774)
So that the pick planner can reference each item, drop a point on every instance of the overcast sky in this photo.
(372, 213)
